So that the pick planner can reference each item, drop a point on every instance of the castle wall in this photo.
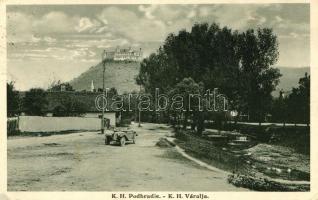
(124, 55)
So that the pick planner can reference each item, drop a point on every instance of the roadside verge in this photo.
(259, 184)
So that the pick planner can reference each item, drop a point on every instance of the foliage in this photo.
(279, 109)
(12, 126)
(13, 100)
(35, 102)
(59, 111)
(295, 107)
(112, 92)
(183, 90)
(299, 101)
(57, 86)
(238, 64)
(130, 106)
(258, 51)
(69, 106)
(259, 184)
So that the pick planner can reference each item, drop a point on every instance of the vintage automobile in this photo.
(120, 136)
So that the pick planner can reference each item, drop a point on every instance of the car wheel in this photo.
(122, 141)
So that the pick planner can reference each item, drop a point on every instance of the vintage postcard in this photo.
(158, 100)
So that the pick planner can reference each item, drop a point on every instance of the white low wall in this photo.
(109, 115)
(48, 124)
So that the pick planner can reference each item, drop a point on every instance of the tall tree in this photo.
(35, 102)
(188, 91)
(304, 87)
(13, 100)
(258, 51)
(298, 102)
(279, 109)
(207, 54)
(239, 64)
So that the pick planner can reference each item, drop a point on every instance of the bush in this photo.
(12, 126)
(180, 134)
(124, 123)
(59, 111)
(13, 100)
(69, 107)
(35, 102)
(259, 184)
(296, 137)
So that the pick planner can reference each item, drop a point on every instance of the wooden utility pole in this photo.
(103, 110)
(139, 125)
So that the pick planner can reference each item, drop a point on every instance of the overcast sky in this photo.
(47, 43)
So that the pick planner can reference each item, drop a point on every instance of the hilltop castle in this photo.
(124, 55)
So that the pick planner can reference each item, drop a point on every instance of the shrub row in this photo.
(209, 150)
(12, 126)
(296, 137)
(259, 184)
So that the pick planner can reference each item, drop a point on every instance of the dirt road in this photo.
(81, 161)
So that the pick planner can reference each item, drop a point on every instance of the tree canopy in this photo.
(13, 100)
(35, 102)
(57, 86)
(237, 63)
(69, 106)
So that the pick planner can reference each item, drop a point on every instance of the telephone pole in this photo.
(103, 111)
(139, 125)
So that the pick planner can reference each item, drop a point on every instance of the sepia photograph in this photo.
(158, 97)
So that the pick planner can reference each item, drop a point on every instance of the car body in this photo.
(120, 136)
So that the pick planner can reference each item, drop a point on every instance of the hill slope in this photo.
(120, 75)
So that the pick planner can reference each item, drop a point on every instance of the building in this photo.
(128, 54)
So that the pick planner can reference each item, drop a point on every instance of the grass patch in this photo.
(163, 143)
(266, 161)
